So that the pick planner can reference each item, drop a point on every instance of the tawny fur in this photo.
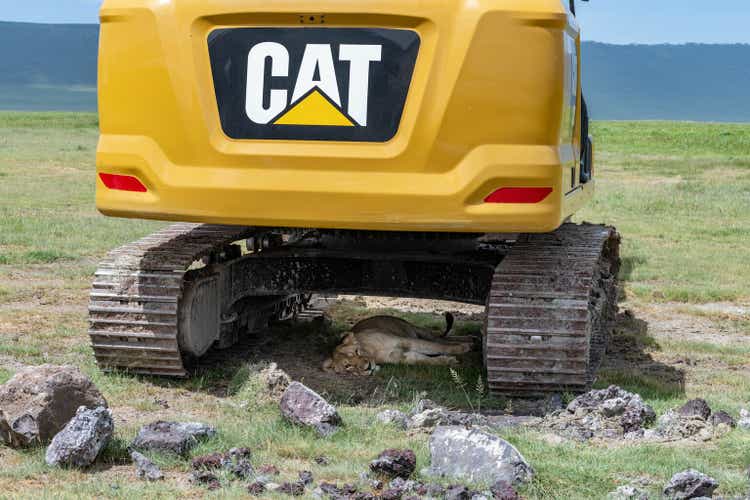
(387, 339)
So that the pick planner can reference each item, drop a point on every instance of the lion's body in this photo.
(390, 340)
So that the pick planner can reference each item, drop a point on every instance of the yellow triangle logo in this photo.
(315, 109)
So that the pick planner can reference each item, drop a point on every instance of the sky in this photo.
(612, 21)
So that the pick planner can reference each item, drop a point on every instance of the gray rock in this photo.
(171, 437)
(393, 417)
(475, 456)
(275, 380)
(671, 426)
(612, 402)
(303, 406)
(145, 468)
(503, 490)
(628, 492)
(433, 417)
(695, 408)
(429, 418)
(690, 484)
(306, 477)
(457, 492)
(422, 405)
(722, 417)
(744, 421)
(82, 439)
(39, 400)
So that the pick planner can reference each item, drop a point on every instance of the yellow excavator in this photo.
(414, 148)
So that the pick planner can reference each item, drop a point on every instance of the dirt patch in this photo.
(674, 322)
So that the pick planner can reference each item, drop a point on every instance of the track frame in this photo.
(143, 298)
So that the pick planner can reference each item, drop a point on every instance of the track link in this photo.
(549, 311)
(135, 297)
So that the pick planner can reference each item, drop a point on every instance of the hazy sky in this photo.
(614, 21)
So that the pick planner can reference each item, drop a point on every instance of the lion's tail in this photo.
(449, 321)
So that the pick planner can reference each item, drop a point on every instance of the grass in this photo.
(678, 192)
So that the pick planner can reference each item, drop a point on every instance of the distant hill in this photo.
(54, 67)
(673, 82)
(48, 66)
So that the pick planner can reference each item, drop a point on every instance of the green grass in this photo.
(678, 192)
(680, 195)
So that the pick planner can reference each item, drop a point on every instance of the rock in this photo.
(171, 437)
(433, 417)
(476, 456)
(393, 417)
(503, 490)
(423, 405)
(82, 439)
(303, 406)
(744, 421)
(392, 494)
(457, 492)
(275, 380)
(332, 491)
(695, 408)
(256, 488)
(627, 492)
(306, 477)
(671, 426)
(611, 413)
(690, 484)
(208, 462)
(238, 465)
(614, 402)
(403, 485)
(429, 418)
(432, 490)
(145, 468)
(295, 489)
(206, 478)
(722, 417)
(234, 461)
(395, 463)
(39, 400)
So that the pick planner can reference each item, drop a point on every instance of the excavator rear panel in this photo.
(399, 115)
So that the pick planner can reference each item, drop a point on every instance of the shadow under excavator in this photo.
(300, 348)
(629, 364)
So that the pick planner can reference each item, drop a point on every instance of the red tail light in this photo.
(123, 183)
(519, 195)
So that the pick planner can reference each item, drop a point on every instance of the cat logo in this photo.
(337, 84)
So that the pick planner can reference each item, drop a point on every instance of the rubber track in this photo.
(134, 301)
(550, 310)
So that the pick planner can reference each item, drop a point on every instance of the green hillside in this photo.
(53, 67)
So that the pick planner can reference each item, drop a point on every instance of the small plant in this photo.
(479, 389)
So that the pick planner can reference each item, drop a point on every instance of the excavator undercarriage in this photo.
(161, 303)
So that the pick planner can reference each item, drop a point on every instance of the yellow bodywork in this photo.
(488, 107)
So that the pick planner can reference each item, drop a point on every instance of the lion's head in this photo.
(348, 358)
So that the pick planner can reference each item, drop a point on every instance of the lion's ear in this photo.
(349, 339)
(328, 365)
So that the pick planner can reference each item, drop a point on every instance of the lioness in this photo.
(387, 339)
